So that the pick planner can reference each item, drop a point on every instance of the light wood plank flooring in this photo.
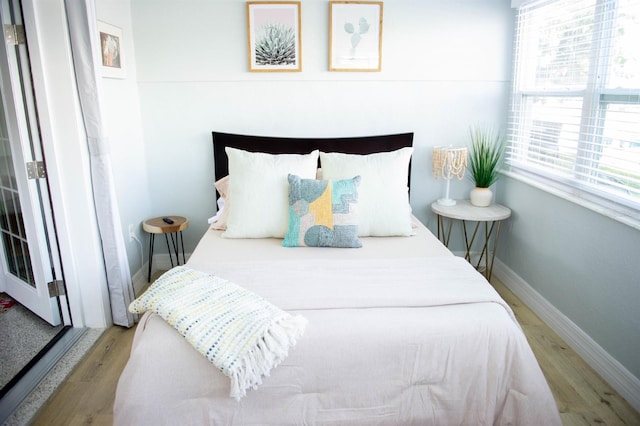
(583, 398)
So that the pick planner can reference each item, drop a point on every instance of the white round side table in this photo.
(491, 216)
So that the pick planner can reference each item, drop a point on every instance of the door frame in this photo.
(67, 158)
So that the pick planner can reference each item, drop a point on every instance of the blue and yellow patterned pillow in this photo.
(322, 213)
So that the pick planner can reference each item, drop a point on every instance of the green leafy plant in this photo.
(485, 155)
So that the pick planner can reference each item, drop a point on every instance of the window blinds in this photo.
(575, 116)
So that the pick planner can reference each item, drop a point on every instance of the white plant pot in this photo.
(481, 197)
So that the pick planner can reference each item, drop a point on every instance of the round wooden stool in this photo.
(158, 225)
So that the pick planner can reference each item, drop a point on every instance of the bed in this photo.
(398, 329)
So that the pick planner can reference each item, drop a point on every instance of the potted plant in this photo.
(486, 150)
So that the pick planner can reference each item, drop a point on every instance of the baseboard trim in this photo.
(160, 262)
(139, 279)
(614, 373)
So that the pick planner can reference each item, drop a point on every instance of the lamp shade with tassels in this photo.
(449, 161)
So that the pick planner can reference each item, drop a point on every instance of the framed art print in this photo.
(355, 36)
(274, 30)
(111, 51)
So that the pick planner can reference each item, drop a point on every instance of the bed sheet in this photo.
(400, 332)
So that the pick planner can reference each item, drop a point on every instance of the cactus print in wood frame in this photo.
(274, 36)
(355, 36)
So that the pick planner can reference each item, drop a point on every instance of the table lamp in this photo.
(449, 161)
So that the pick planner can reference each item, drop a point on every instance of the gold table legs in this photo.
(491, 231)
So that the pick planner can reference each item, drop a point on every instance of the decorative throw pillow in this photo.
(322, 213)
(222, 185)
(384, 208)
(259, 188)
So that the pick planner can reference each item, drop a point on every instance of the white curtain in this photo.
(85, 46)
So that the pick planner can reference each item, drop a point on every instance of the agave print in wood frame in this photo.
(274, 36)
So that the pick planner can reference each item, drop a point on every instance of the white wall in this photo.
(445, 66)
(121, 109)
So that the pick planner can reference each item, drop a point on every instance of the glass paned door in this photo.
(29, 258)
(14, 239)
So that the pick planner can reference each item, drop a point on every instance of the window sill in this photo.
(623, 215)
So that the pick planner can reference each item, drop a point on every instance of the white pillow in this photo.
(383, 195)
(260, 190)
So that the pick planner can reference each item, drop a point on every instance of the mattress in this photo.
(399, 331)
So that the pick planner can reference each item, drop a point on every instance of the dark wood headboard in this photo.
(277, 145)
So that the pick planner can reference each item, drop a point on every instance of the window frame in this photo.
(595, 98)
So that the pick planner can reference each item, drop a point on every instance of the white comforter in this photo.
(389, 341)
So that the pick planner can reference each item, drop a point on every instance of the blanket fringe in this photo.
(269, 351)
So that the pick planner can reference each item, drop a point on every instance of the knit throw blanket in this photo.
(242, 334)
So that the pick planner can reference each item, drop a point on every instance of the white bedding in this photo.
(399, 332)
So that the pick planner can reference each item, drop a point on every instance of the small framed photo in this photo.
(111, 51)
(274, 34)
(355, 36)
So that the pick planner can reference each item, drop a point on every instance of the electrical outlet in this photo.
(132, 233)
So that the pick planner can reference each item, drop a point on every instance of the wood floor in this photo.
(583, 398)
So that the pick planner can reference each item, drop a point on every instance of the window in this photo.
(575, 116)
